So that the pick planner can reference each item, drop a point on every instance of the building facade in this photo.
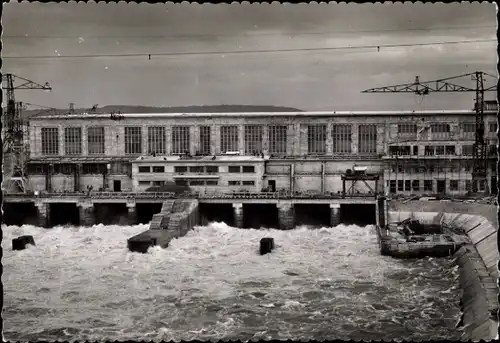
(426, 152)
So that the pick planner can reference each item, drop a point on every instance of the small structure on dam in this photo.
(21, 242)
(176, 218)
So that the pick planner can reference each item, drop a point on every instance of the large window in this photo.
(407, 129)
(156, 140)
(341, 137)
(469, 129)
(133, 140)
(253, 139)
(50, 141)
(205, 140)
(467, 150)
(95, 140)
(316, 139)
(180, 139)
(277, 139)
(440, 130)
(229, 138)
(367, 139)
(73, 140)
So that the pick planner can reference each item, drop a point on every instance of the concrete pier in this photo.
(86, 214)
(43, 212)
(286, 215)
(132, 213)
(334, 214)
(238, 215)
(382, 210)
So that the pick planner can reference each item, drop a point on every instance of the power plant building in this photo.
(412, 152)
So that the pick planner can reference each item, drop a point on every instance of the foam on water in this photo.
(212, 284)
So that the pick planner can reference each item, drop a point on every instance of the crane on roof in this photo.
(443, 85)
(14, 146)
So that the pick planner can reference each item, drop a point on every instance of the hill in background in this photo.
(182, 109)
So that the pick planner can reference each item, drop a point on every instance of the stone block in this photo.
(266, 245)
(20, 243)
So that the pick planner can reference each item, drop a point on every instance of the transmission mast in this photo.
(442, 85)
(15, 148)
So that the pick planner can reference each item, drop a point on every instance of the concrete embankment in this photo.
(477, 261)
(176, 218)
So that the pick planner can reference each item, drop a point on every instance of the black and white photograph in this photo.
(247, 171)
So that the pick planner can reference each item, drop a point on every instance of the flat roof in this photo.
(258, 114)
(218, 158)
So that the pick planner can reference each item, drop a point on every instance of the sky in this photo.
(314, 80)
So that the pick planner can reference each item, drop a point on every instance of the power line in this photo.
(236, 52)
(179, 36)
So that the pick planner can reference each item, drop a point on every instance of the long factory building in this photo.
(413, 152)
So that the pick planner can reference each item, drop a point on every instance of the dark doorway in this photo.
(64, 214)
(317, 215)
(441, 186)
(117, 186)
(272, 185)
(260, 215)
(216, 213)
(146, 211)
(358, 214)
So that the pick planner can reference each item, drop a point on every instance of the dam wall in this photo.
(477, 261)
(176, 218)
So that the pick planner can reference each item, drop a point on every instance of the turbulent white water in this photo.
(82, 283)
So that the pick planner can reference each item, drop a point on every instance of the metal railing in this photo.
(190, 195)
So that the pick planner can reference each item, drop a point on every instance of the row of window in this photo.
(229, 139)
(411, 128)
(437, 150)
(197, 169)
(450, 167)
(428, 185)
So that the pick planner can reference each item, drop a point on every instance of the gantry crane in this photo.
(14, 147)
(424, 88)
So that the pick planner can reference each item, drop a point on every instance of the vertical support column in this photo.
(265, 139)
(286, 215)
(77, 171)
(238, 215)
(144, 136)
(61, 141)
(241, 139)
(354, 136)
(85, 147)
(86, 213)
(323, 167)
(334, 214)
(168, 143)
(43, 213)
(195, 141)
(329, 139)
(382, 211)
(215, 139)
(132, 212)
(48, 178)
(292, 178)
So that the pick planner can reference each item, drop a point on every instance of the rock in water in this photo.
(266, 245)
(20, 243)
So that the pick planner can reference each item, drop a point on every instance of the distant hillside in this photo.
(183, 109)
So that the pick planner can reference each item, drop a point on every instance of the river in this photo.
(82, 283)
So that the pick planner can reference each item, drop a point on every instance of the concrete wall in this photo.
(478, 265)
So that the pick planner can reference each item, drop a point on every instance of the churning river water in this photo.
(82, 283)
